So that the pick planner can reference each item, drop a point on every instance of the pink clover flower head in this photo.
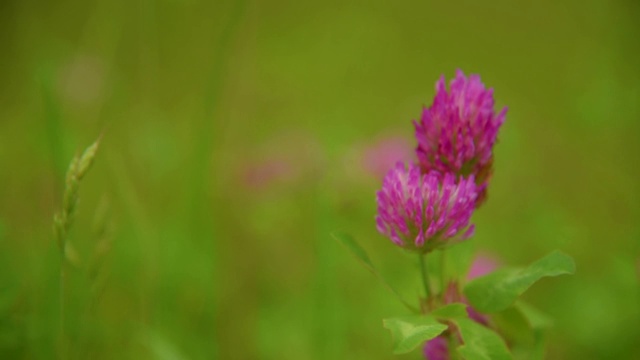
(422, 212)
(458, 131)
(436, 349)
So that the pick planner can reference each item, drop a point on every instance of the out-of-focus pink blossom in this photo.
(82, 80)
(379, 157)
(262, 174)
(286, 159)
(436, 349)
(482, 265)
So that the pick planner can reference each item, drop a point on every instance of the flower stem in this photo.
(425, 277)
(63, 337)
(443, 267)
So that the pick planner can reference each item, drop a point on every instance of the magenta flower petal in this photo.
(423, 212)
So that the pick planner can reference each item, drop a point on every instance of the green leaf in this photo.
(480, 343)
(533, 349)
(514, 329)
(160, 346)
(536, 318)
(497, 291)
(409, 332)
(459, 259)
(451, 311)
(538, 350)
(349, 242)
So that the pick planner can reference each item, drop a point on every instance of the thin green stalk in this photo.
(63, 342)
(199, 212)
(425, 277)
(347, 241)
(443, 264)
(400, 298)
(62, 222)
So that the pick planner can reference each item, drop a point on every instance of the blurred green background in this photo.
(233, 138)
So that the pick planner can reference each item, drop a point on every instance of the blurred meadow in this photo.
(238, 135)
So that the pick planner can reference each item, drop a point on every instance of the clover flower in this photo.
(423, 212)
(458, 131)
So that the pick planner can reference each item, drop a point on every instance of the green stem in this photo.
(443, 285)
(63, 337)
(425, 277)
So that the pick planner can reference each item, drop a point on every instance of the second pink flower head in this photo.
(458, 131)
